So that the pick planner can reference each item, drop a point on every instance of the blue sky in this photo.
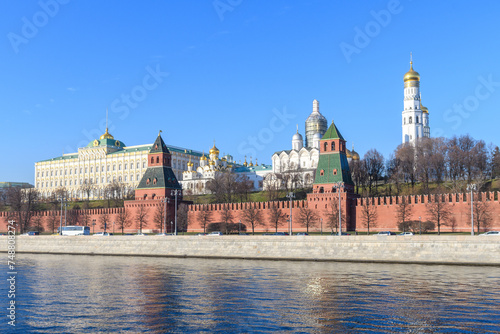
(240, 72)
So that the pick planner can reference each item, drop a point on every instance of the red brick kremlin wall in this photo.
(386, 208)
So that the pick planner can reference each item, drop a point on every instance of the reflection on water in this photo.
(84, 294)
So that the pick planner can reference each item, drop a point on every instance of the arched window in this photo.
(152, 160)
(157, 160)
(416, 120)
(333, 146)
(325, 147)
(404, 120)
(321, 190)
(410, 120)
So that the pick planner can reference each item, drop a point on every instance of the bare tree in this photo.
(227, 218)
(369, 214)
(38, 223)
(439, 211)
(332, 215)
(205, 217)
(52, 222)
(23, 203)
(182, 217)
(141, 217)
(374, 165)
(276, 217)
(74, 215)
(495, 163)
(104, 220)
(123, 220)
(403, 213)
(482, 213)
(87, 188)
(358, 173)
(252, 216)
(159, 217)
(307, 217)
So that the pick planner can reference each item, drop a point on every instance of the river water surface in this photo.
(87, 294)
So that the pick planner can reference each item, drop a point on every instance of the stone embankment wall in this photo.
(459, 250)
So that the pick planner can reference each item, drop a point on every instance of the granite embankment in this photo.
(460, 250)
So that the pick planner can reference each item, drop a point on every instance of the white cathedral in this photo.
(415, 117)
(298, 165)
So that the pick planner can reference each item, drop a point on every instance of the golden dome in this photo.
(106, 135)
(348, 154)
(424, 109)
(411, 75)
(190, 164)
(355, 155)
(203, 157)
(214, 150)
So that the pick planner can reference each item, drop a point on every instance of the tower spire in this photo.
(106, 119)
(411, 61)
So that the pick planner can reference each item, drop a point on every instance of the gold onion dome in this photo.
(106, 135)
(203, 157)
(355, 155)
(348, 154)
(190, 164)
(214, 150)
(424, 109)
(411, 75)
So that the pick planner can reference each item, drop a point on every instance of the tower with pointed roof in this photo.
(333, 166)
(415, 117)
(159, 180)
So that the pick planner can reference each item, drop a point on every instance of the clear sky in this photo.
(240, 72)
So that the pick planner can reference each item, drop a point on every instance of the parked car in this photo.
(281, 233)
(343, 233)
(140, 235)
(301, 233)
(406, 233)
(201, 234)
(161, 234)
(215, 234)
(385, 233)
(102, 234)
(497, 233)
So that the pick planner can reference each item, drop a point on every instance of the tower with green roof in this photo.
(332, 165)
(333, 179)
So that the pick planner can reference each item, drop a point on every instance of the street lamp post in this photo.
(171, 225)
(175, 193)
(472, 187)
(290, 196)
(339, 186)
(165, 201)
(93, 226)
(60, 222)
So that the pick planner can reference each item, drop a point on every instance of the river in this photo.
(88, 294)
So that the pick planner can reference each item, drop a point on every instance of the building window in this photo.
(152, 160)
(91, 169)
(86, 170)
(322, 172)
(131, 166)
(410, 120)
(56, 173)
(119, 179)
(325, 147)
(416, 120)
(65, 172)
(404, 120)
(138, 166)
(144, 165)
(114, 167)
(137, 178)
(102, 168)
(124, 166)
(81, 169)
(333, 146)
(157, 160)
(125, 178)
(334, 172)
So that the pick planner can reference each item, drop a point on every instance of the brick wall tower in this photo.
(333, 168)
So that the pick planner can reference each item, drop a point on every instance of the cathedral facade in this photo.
(296, 168)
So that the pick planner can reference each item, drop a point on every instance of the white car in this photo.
(497, 233)
(406, 234)
(140, 235)
(215, 234)
(102, 234)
